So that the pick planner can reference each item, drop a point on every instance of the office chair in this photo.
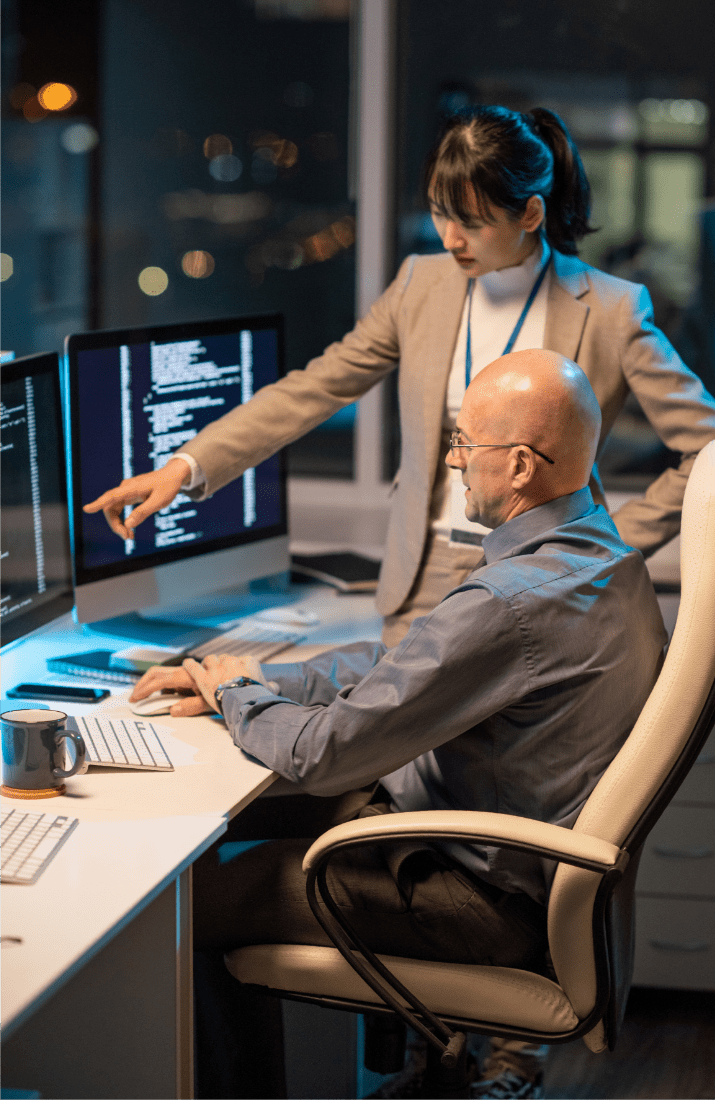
(590, 908)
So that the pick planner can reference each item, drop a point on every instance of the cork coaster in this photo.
(43, 792)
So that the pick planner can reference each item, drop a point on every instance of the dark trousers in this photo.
(413, 903)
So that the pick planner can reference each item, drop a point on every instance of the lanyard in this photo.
(517, 327)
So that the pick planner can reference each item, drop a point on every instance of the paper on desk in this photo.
(179, 752)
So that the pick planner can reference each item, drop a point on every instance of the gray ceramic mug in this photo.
(33, 752)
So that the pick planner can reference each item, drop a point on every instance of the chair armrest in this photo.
(503, 830)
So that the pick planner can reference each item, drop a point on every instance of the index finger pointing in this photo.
(114, 499)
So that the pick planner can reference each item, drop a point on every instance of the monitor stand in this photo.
(162, 632)
(192, 622)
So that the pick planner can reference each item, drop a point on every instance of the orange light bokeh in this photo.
(270, 146)
(289, 255)
(217, 145)
(344, 231)
(263, 137)
(56, 97)
(326, 244)
(320, 247)
(198, 265)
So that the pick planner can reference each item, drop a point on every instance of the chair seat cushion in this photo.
(498, 994)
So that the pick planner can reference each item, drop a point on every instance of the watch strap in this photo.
(237, 682)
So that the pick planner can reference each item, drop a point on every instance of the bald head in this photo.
(534, 397)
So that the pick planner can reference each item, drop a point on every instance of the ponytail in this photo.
(568, 207)
(504, 158)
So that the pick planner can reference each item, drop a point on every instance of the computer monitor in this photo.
(36, 562)
(135, 397)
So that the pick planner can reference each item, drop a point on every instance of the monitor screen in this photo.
(36, 563)
(136, 397)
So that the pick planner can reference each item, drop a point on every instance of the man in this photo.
(512, 695)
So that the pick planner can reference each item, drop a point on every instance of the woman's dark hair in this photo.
(507, 157)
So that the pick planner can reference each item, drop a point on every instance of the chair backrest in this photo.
(645, 773)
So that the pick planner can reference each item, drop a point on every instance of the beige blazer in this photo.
(603, 323)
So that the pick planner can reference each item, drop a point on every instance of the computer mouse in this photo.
(159, 703)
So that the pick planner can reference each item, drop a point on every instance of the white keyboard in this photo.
(29, 842)
(248, 638)
(123, 743)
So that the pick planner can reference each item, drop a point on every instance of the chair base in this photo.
(445, 1082)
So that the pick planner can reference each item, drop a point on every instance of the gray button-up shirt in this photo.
(512, 695)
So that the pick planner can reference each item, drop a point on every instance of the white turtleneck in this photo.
(497, 301)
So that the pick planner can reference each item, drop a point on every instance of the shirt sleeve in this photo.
(457, 666)
(285, 410)
(320, 679)
(197, 477)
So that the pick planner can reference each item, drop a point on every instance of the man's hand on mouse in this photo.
(198, 681)
(160, 678)
(217, 669)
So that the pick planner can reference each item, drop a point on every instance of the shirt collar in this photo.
(513, 536)
(515, 282)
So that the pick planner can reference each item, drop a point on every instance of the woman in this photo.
(510, 201)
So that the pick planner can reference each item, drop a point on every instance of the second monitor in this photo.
(135, 397)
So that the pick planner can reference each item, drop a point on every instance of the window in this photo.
(201, 172)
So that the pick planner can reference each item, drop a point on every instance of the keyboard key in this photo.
(29, 842)
(250, 639)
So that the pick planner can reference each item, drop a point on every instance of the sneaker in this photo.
(508, 1086)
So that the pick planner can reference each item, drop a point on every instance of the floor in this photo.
(666, 1050)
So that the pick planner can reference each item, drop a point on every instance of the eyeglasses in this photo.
(455, 445)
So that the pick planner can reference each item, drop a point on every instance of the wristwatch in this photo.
(238, 682)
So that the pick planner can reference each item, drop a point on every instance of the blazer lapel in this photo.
(445, 313)
(566, 313)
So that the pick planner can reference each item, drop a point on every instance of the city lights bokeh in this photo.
(225, 168)
(197, 265)
(56, 97)
(79, 138)
(153, 281)
(225, 209)
(217, 145)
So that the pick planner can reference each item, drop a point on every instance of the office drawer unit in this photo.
(679, 854)
(675, 943)
(675, 908)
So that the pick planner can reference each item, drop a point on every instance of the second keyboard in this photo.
(123, 743)
(247, 638)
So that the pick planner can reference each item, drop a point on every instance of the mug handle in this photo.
(80, 749)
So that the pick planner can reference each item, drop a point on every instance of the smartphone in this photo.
(60, 693)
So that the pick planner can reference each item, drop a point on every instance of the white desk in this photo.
(97, 996)
(105, 963)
